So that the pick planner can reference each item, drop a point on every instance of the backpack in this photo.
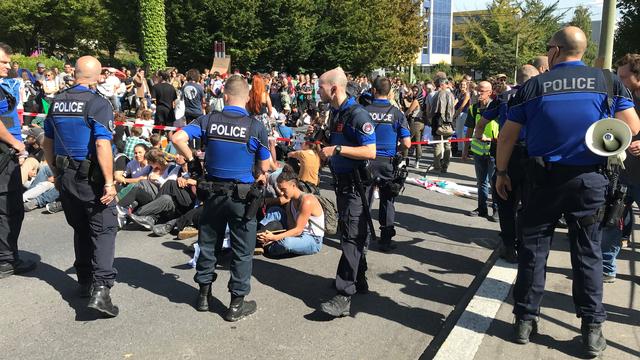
(330, 215)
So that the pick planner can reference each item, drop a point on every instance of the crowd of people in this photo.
(158, 187)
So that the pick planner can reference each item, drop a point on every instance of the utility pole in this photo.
(605, 50)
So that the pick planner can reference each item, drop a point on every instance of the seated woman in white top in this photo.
(305, 221)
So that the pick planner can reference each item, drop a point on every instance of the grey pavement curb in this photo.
(451, 321)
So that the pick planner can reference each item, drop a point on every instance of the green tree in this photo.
(189, 37)
(582, 19)
(626, 40)
(154, 33)
(490, 42)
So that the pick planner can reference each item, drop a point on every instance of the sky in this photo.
(564, 5)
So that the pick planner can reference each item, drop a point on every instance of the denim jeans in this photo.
(612, 236)
(485, 167)
(305, 244)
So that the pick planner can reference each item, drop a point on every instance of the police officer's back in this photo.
(234, 143)
(391, 127)
(556, 109)
(77, 145)
(11, 208)
(353, 142)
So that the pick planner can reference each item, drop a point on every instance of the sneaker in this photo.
(417, 165)
(593, 342)
(477, 212)
(493, 217)
(16, 268)
(608, 279)
(338, 306)
(187, 232)
(146, 222)
(30, 205)
(122, 211)
(523, 330)
(54, 207)
(376, 194)
(122, 221)
(163, 229)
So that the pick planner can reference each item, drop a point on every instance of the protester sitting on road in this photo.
(303, 219)
(133, 140)
(309, 160)
(145, 118)
(137, 169)
(41, 191)
(146, 190)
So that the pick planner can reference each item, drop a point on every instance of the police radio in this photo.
(610, 138)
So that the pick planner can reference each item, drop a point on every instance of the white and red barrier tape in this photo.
(173, 128)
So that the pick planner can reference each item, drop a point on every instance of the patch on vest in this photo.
(367, 128)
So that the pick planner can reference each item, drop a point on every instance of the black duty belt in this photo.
(556, 167)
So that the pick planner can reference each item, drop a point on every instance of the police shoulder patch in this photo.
(112, 126)
(368, 128)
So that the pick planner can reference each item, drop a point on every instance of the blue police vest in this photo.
(9, 96)
(350, 126)
(227, 154)
(68, 114)
(387, 121)
(556, 108)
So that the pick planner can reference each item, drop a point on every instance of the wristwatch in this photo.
(337, 150)
(501, 173)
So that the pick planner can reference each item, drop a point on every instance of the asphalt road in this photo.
(413, 290)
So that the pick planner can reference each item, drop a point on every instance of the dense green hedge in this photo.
(28, 62)
(154, 33)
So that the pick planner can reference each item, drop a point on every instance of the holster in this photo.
(85, 169)
(7, 154)
(536, 172)
(253, 196)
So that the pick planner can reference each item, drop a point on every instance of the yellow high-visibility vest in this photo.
(479, 147)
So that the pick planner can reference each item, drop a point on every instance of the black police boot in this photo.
(338, 306)
(386, 244)
(239, 309)
(16, 267)
(510, 255)
(362, 286)
(101, 301)
(523, 330)
(203, 297)
(593, 342)
(85, 290)
(146, 222)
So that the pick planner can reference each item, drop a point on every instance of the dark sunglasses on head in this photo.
(549, 47)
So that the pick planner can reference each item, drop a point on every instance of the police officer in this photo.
(77, 146)
(507, 208)
(556, 109)
(353, 142)
(234, 143)
(391, 127)
(11, 209)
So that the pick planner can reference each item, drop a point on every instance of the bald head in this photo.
(88, 70)
(541, 63)
(525, 73)
(332, 87)
(484, 91)
(571, 40)
(335, 77)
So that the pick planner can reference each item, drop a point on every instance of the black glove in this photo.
(195, 168)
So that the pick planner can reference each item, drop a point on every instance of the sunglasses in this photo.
(549, 47)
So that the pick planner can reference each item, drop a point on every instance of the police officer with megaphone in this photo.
(556, 109)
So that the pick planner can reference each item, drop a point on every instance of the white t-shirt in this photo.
(108, 87)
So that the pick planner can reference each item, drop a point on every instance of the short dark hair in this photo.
(6, 48)
(287, 174)
(382, 85)
(193, 75)
(633, 60)
(164, 75)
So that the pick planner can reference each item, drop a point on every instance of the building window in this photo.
(441, 27)
(457, 36)
(457, 52)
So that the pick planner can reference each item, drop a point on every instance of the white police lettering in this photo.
(382, 117)
(68, 107)
(227, 130)
(569, 84)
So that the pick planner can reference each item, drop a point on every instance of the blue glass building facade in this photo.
(439, 16)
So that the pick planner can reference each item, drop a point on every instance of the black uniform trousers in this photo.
(95, 226)
(578, 193)
(381, 169)
(353, 238)
(219, 210)
(508, 210)
(11, 212)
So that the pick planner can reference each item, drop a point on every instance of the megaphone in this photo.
(609, 138)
